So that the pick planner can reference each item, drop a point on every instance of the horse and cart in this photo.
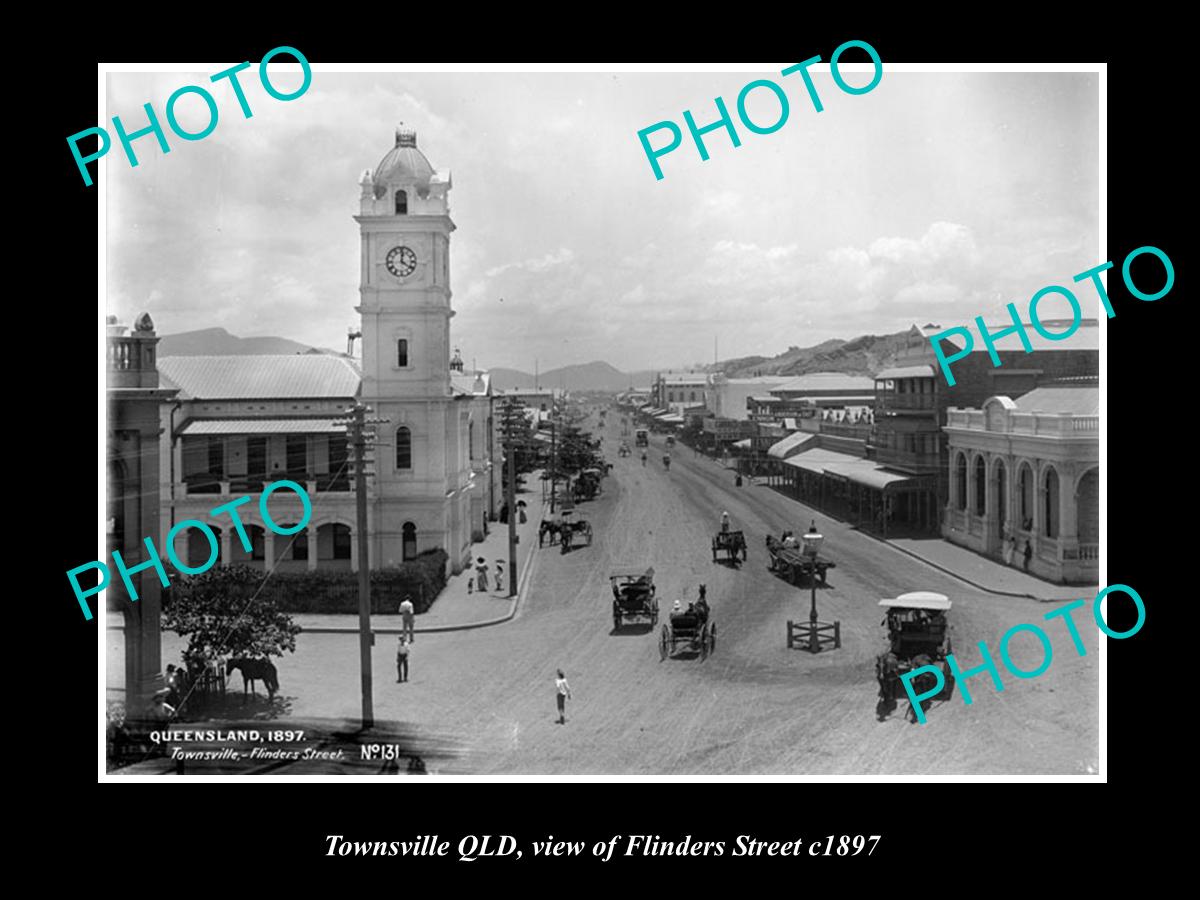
(691, 627)
(918, 635)
(794, 558)
(731, 543)
(567, 529)
(633, 596)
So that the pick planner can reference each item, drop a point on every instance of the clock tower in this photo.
(404, 223)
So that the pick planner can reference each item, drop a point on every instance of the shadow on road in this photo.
(633, 629)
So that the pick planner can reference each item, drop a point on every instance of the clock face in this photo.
(401, 261)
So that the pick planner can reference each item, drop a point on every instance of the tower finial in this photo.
(405, 137)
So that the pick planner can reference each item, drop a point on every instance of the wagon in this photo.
(803, 559)
(693, 628)
(918, 635)
(732, 543)
(633, 596)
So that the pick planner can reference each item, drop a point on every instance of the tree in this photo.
(223, 613)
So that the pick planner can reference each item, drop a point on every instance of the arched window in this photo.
(961, 478)
(1051, 516)
(409, 542)
(980, 486)
(401, 203)
(402, 353)
(1025, 493)
(403, 448)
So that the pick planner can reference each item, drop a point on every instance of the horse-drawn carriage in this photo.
(731, 543)
(587, 485)
(691, 627)
(567, 529)
(918, 635)
(633, 596)
(795, 557)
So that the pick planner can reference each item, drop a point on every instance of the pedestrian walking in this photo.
(406, 615)
(402, 650)
(563, 691)
(1028, 553)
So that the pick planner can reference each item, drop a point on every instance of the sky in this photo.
(936, 197)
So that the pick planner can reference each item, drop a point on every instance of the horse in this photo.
(252, 670)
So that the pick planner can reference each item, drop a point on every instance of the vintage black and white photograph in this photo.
(444, 437)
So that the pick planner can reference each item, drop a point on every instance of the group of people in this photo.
(407, 632)
(1010, 546)
(479, 581)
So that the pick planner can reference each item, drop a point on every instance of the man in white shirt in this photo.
(406, 614)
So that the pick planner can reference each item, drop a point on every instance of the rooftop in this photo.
(309, 376)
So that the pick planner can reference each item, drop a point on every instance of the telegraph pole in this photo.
(356, 433)
(553, 462)
(512, 516)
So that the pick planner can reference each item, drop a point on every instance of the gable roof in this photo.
(262, 377)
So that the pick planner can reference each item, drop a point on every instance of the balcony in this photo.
(239, 485)
(890, 401)
(1060, 425)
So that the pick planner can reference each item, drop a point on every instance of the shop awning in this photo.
(867, 473)
(818, 460)
(261, 426)
(790, 445)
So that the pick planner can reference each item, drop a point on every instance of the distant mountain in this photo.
(864, 355)
(219, 342)
(593, 376)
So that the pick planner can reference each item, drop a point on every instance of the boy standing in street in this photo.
(564, 692)
(402, 660)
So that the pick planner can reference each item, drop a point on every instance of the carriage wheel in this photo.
(663, 640)
(948, 689)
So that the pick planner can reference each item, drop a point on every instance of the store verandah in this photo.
(857, 490)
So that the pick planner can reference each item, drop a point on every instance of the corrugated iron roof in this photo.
(261, 426)
(1077, 400)
(262, 377)
(827, 381)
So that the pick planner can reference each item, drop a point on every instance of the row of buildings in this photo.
(1005, 459)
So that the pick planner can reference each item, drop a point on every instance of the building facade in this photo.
(135, 396)
(1027, 473)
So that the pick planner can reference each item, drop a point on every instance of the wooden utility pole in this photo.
(356, 433)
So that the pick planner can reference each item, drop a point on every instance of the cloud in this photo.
(539, 264)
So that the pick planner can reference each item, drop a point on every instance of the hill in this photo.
(864, 355)
(219, 342)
